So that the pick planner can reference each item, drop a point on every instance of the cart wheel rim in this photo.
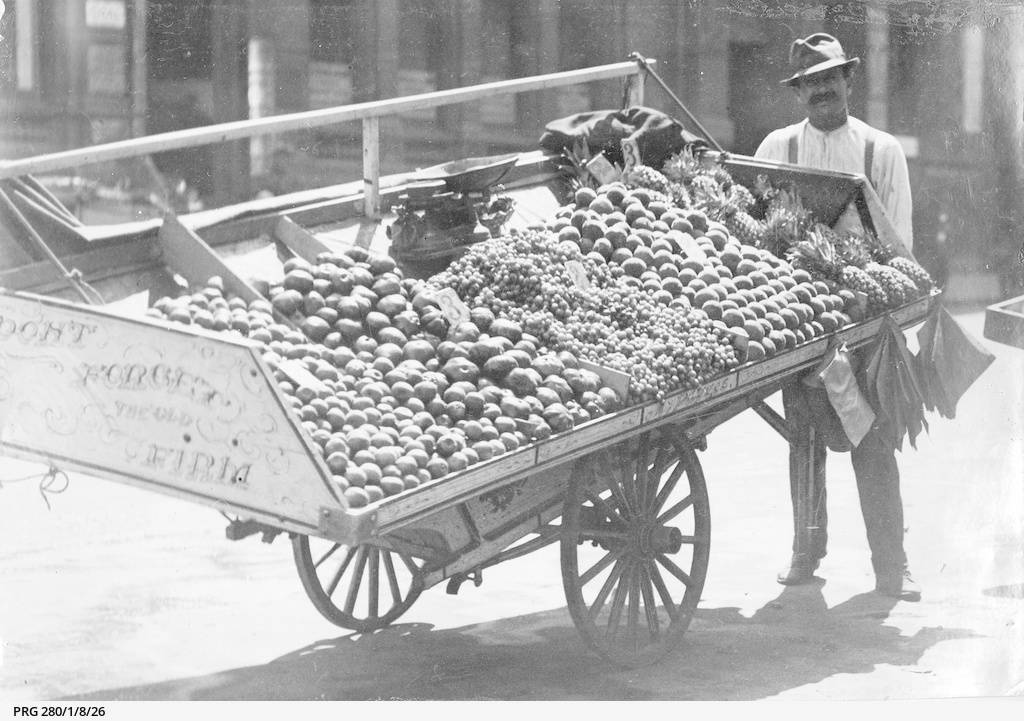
(362, 588)
(635, 546)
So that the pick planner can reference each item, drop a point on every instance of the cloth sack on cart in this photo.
(657, 135)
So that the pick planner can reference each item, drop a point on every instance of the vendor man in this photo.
(830, 139)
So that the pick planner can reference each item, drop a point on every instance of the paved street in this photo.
(114, 593)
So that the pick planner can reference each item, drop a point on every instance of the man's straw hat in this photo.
(815, 54)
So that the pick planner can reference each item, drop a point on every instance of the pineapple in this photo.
(723, 207)
(885, 255)
(680, 195)
(747, 230)
(644, 176)
(866, 252)
(785, 224)
(658, 196)
(858, 279)
(817, 255)
(741, 197)
(684, 167)
(824, 254)
(769, 198)
(918, 275)
(856, 254)
(703, 184)
(898, 287)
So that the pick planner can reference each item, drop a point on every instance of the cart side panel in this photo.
(884, 227)
(828, 193)
(178, 410)
(496, 510)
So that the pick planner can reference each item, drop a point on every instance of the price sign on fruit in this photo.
(691, 248)
(452, 306)
(298, 373)
(862, 302)
(630, 154)
(577, 274)
(600, 168)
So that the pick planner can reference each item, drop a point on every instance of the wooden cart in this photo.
(198, 415)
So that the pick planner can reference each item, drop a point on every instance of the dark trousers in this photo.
(878, 484)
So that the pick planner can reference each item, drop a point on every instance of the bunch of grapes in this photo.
(524, 277)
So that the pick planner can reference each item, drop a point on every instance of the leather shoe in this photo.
(800, 570)
(901, 587)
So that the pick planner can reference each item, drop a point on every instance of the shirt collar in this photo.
(825, 134)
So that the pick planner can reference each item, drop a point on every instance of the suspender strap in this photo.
(793, 147)
(869, 154)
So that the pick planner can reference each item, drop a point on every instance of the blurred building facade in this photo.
(78, 72)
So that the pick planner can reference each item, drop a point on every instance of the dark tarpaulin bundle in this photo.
(658, 136)
(892, 386)
(948, 362)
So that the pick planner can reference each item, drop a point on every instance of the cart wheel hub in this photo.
(657, 540)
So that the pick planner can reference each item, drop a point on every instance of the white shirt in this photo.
(842, 150)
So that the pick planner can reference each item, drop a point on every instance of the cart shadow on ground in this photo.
(791, 642)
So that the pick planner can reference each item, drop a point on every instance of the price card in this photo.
(740, 340)
(630, 154)
(452, 306)
(600, 168)
(862, 301)
(691, 248)
(298, 373)
(577, 274)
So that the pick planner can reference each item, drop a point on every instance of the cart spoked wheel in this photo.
(635, 540)
(362, 588)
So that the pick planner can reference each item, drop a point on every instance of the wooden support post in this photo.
(371, 167)
(634, 91)
(780, 424)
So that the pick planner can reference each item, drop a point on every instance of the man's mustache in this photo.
(826, 95)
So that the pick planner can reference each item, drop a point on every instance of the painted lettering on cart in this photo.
(196, 465)
(161, 414)
(44, 332)
(159, 377)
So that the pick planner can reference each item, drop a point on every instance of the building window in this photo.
(18, 46)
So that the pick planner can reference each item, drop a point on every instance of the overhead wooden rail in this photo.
(369, 113)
